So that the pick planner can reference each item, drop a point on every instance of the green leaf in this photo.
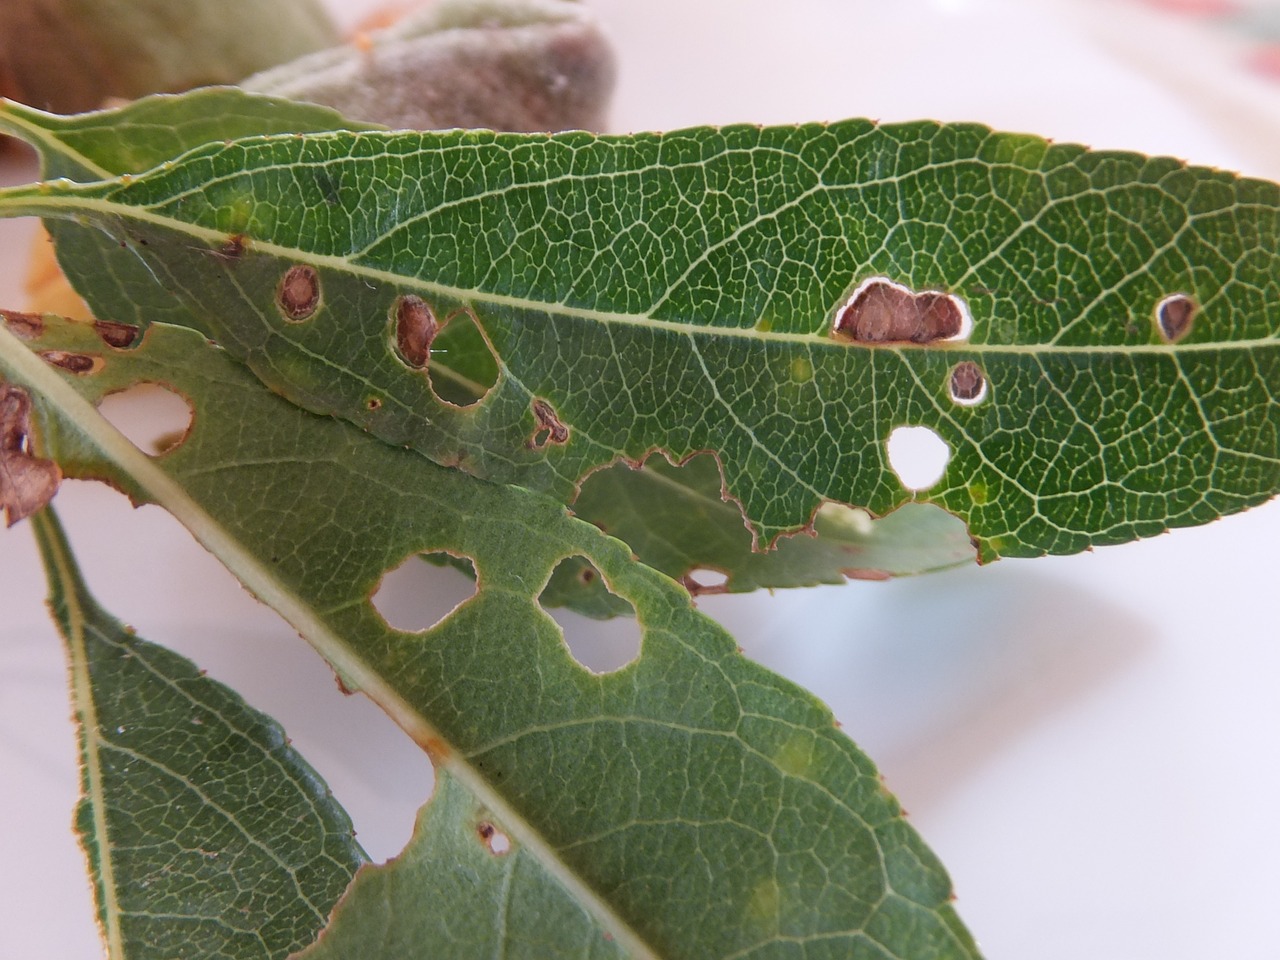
(674, 519)
(142, 135)
(460, 889)
(73, 55)
(678, 292)
(692, 803)
(107, 143)
(207, 835)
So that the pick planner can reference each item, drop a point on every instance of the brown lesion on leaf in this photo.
(233, 248)
(416, 328)
(865, 573)
(968, 384)
(298, 295)
(24, 326)
(115, 334)
(1174, 316)
(81, 364)
(549, 429)
(27, 483)
(881, 311)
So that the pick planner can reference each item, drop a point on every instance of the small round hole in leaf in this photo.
(462, 368)
(918, 456)
(497, 842)
(423, 590)
(154, 418)
(599, 627)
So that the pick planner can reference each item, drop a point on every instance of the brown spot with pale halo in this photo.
(416, 328)
(114, 334)
(299, 292)
(968, 384)
(77, 363)
(1174, 316)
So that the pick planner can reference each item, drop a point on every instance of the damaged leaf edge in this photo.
(20, 365)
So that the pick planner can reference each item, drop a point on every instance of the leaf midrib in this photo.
(28, 201)
(87, 711)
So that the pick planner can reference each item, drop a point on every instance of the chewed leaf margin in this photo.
(712, 290)
(570, 765)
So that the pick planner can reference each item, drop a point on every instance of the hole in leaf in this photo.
(599, 626)
(968, 384)
(154, 418)
(918, 456)
(701, 580)
(493, 838)
(423, 590)
(462, 368)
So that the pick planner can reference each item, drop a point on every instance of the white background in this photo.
(1088, 742)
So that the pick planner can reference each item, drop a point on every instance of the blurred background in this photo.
(1089, 743)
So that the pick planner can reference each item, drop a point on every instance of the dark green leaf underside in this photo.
(694, 804)
(207, 835)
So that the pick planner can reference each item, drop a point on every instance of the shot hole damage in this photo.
(495, 841)
(548, 429)
(154, 418)
(705, 580)
(415, 330)
(121, 336)
(881, 311)
(417, 594)
(918, 456)
(578, 599)
(463, 368)
(27, 483)
(967, 384)
(1174, 316)
(298, 295)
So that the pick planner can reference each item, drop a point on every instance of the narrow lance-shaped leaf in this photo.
(207, 835)
(692, 803)
(781, 297)
(673, 518)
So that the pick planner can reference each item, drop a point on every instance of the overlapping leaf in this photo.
(677, 292)
(207, 835)
(693, 804)
(674, 519)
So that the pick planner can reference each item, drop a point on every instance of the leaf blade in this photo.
(646, 290)
(192, 800)
(582, 770)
